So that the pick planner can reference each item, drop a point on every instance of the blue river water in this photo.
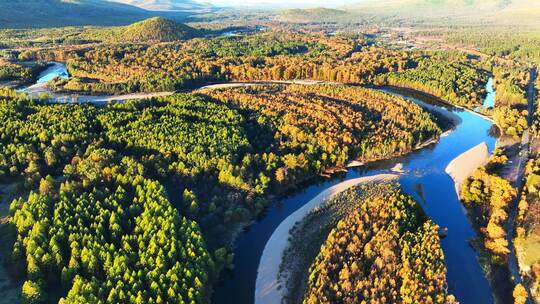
(489, 101)
(53, 71)
(424, 178)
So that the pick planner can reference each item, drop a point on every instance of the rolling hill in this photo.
(407, 12)
(53, 13)
(318, 14)
(434, 9)
(157, 29)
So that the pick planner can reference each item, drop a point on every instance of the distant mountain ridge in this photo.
(167, 5)
(504, 12)
(52, 13)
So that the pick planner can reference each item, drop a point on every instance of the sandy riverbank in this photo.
(461, 167)
(266, 287)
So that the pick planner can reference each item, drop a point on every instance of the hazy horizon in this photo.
(281, 3)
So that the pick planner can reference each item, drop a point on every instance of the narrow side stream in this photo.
(489, 101)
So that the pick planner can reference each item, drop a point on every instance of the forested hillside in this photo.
(158, 29)
(51, 13)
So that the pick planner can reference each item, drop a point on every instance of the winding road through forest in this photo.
(524, 153)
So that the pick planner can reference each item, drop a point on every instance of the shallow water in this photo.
(424, 178)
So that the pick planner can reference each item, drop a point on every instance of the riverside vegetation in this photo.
(528, 231)
(119, 68)
(488, 196)
(385, 250)
(273, 55)
(527, 235)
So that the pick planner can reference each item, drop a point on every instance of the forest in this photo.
(271, 55)
(204, 162)
(535, 126)
(107, 234)
(511, 121)
(499, 41)
(278, 54)
(510, 83)
(455, 83)
(490, 195)
(20, 72)
(384, 251)
(281, 55)
(487, 195)
(339, 132)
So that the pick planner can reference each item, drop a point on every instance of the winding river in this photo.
(424, 178)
